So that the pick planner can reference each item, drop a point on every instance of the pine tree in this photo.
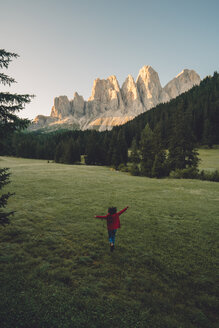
(113, 154)
(159, 166)
(122, 147)
(207, 138)
(9, 122)
(116, 156)
(134, 157)
(147, 151)
(4, 179)
(70, 152)
(182, 146)
(118, 149)
(59, 152)
(77, 152)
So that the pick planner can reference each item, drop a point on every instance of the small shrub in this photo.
(193, 173)
(209, 176)
(188, 173)
(135, 170)
(123, 168)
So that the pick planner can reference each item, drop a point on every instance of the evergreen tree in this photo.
(59, 153)
(147, 151)
(10, 103)
(207, 134)
(4, 179)
(159, 169)
(134, 157)
(182, 146)
(71, 152)
(113, 154)
(116, 156)
(105, 148)
(122, 147)
(93, 149)
(77, 152)
(9, 122)
(118, 149)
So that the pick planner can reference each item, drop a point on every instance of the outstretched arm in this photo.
(100, 216)
(122, 211)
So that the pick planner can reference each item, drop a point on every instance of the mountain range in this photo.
(110, 105)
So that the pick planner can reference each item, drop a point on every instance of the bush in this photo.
(209, 176)
(123, 168)
(135, 170)
(193, 173)
(189, 173)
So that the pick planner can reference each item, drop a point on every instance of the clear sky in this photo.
(65, 44)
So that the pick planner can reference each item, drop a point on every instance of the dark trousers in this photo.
(112, 235)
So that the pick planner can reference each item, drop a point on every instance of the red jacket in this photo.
(113, 221)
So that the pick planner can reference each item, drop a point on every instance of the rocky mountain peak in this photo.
(182, 83)
(130, 95)
(149, 87)
(78, 105)
(106, 95)
(129, 88)
(147, 73)
(61, 107)
(110, 105)
(102, 89)
(114, 82)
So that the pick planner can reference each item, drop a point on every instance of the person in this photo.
(113, 223)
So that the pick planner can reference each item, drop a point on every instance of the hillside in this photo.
(200, 107)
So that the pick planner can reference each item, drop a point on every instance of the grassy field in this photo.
(209, 159)
(55, 266)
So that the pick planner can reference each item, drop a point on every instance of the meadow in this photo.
(56, 269)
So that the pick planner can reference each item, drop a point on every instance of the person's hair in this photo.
(112, 210)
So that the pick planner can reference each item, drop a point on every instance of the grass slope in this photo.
(209, 159)
(55, 266)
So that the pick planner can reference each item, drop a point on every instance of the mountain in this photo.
(110, 105)
(182, 83)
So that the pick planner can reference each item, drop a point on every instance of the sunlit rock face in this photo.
(78, 105)
(41, 119)
(110, 105)
(182, 83)
(106, 95)
(106, 123)
(131, 97)
(149, 87)
(61, 107)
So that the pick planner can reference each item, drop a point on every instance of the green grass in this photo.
(55, 266)
(209, 159)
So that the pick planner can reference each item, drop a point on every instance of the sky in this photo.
(64, 45)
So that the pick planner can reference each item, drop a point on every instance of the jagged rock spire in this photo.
(109, 105)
